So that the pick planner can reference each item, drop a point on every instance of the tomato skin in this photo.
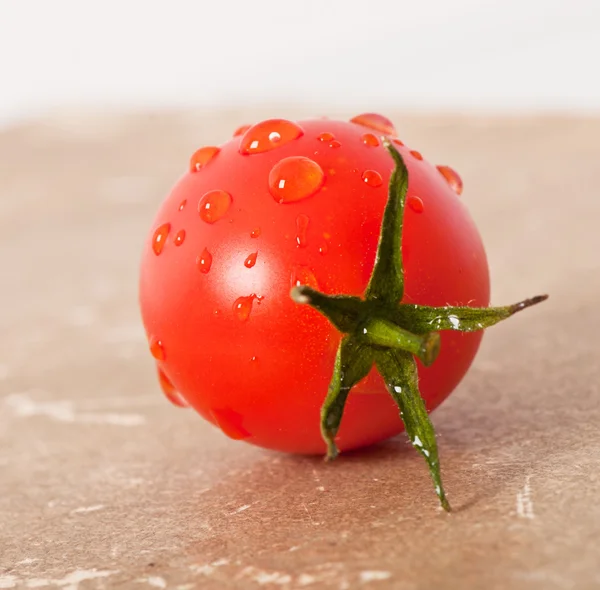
(237, 348)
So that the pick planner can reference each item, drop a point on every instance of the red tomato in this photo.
(297, 203)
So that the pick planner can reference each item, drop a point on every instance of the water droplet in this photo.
(204, 261)
(179, 237)
(302, 222)
(255, 232)
(182, 204)
(452, 177)
(372, 178)
(202, 157)
(156, 349)
(230, 422)
(295, 178)
(213, 205)
(335, 144)
(268, 135)
(169, 390)
(241, 130)
(326, 136)
(416, 204)
(302, 275)
(370, 140)
(251, 260)
(160, 237)
(242, 307)
(375, 121)
(324, 248)
(416, 154)
(397, 141)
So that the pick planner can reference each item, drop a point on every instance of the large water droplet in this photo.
(169, 390)
(251, 260)
(416, 204)
(255, 232)
(241, 130)
(326, 136)
(268, 135)
(303, 275)
(204, 261)
(156, 349)
(295, 178)
(370, 140)
(214, 205)
(242, 307)
(160, 237)
(230, 422)
(202, 157)
(182, 204)
(375, 121)
(179, 237)
(302, 222)
(452, 177)
(372, 178)
(416, 154)
(335, 144)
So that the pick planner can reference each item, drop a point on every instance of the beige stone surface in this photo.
(104, 485)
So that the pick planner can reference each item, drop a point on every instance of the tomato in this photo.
(285, 203)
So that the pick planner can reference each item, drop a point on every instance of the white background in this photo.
(422, 54)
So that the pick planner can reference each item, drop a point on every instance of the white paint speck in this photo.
(454, 321)
(70, 581)
(320, 488)
(524, 502)
(417, 442)
(306, 580)
(156, 582)
(241, 509)
(397, 389)
(8, 581)
(374, 576)
(22, 404)
(85, 509)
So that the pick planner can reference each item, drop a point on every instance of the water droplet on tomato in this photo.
(160, 237)
(326, 136)
(214, 205)
(204, 261)
(169, 390)
(372, 178)
(370, 140)
(416, 154)
(251, 260)
(255, 232)
(452, 177)
(241, 130)
(156, 349)
(302, 222)
(303, 275)
(230, 422)
(182, 204)
(416, 204)
(335, 144)
(268, 135)
(179, 237)
(295, 178)
(202, 157)
(242, 307)
(397, 141)
(375, 121)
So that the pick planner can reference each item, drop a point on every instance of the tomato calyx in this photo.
(379, 330)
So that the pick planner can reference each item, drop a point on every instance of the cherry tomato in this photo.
(285, 203)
